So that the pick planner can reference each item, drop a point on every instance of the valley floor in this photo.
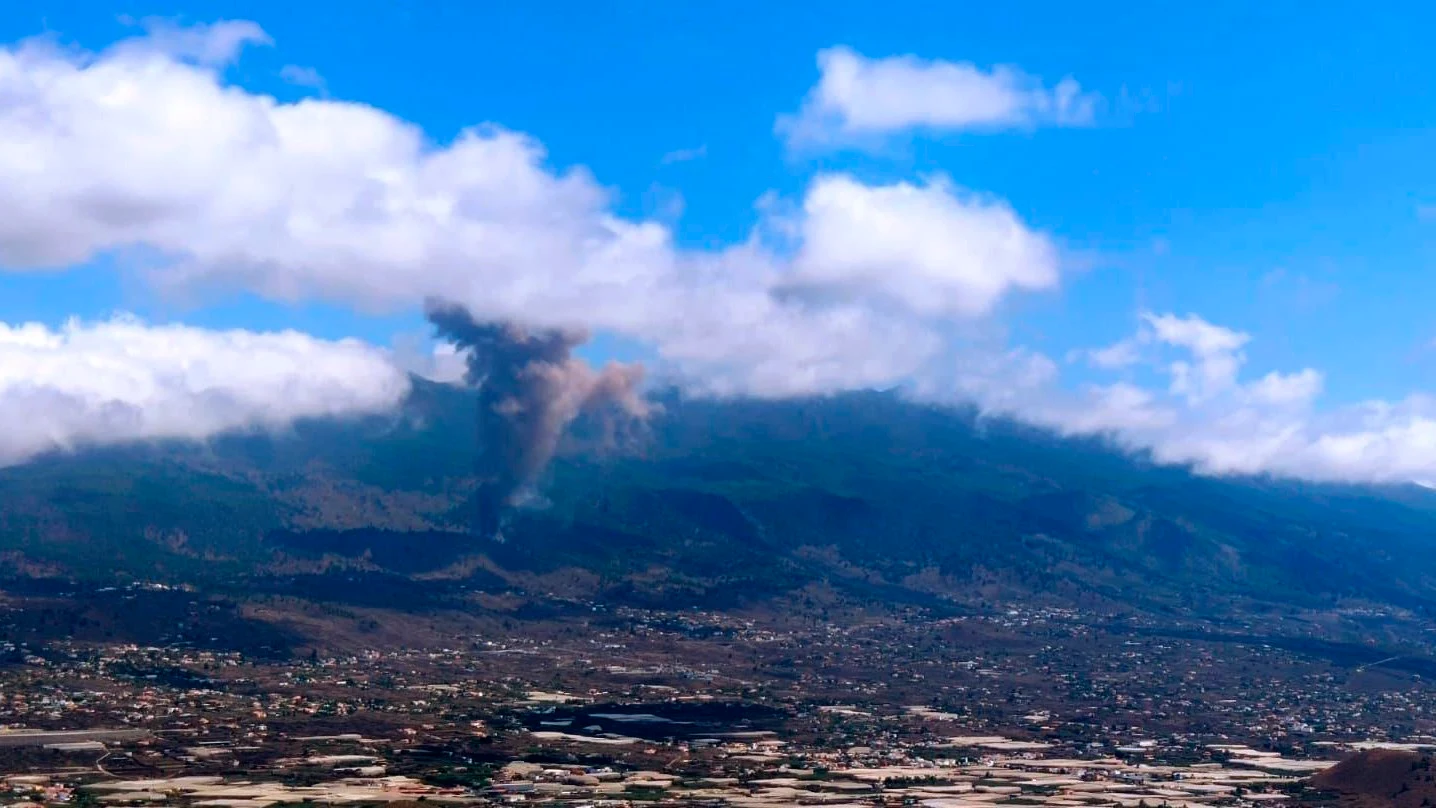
(607, 705)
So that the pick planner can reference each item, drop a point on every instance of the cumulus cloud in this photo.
(1208, 416)
(928, 248)
(1287, 389)
(1120, 354)
(447, 363)
(301, 76)
(139, 148)
(860, 100)
(102, 383)
(1214, 354)
(213, 44)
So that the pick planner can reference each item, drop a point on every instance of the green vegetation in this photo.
(733, 501)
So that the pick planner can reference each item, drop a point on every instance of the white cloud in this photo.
(1287, 389)
(1215, 354)
(1120, 354)
(1268, 425)
(96, 384)
(301, 76)
(213, 44)
(931, 249)
(449, 363)
(138, 148)
(1195, 334)
(685, 155)
(859, 100)
(1121, 408)
(1013, 379)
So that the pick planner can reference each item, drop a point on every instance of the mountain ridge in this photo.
(719, 503)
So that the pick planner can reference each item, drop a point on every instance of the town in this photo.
(1012, 707)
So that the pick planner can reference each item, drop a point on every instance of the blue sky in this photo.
(1266, 168)
(1270, 174)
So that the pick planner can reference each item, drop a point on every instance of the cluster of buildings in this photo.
(627, 706)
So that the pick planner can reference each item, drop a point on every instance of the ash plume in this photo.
(531, 388)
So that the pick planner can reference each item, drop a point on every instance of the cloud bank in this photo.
(122, 380)
(1198, 410)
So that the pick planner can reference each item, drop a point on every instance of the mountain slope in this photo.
(1387, 778)
(716, 504)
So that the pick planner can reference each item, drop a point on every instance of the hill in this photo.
(717, 504)
(1380, 777)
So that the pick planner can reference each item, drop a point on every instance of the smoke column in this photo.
(531, 388)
